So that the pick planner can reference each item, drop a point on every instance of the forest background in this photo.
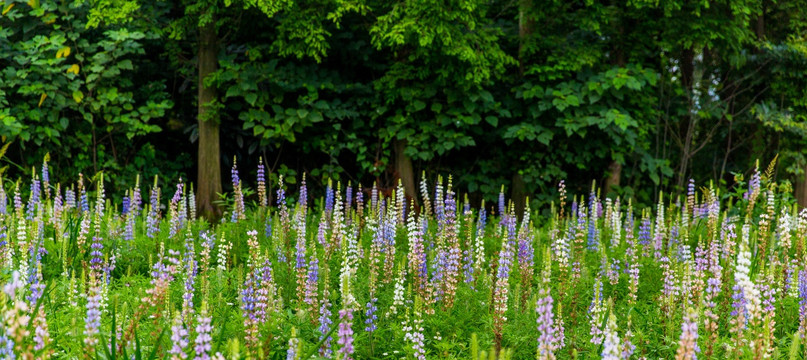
(638, 95)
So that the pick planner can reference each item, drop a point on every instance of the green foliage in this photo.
(515, 93)
(71, 83)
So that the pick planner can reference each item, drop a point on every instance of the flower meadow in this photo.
(364, 273)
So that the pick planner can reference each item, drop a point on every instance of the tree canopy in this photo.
(638, 95)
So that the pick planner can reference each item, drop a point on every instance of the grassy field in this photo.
(359, 275)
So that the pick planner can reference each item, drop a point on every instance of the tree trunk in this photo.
(614, 176)
(801, 190)
(404, 170)
(518, 194)
(208, 180)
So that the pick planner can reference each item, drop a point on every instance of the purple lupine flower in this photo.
(753, 186)
(264, 283)
(348, 198)
(359, 199)
(92, 321)
(179, 340)
(439, 204)
(413, 333)
(501, 287)
(69, 198)
(3, 240)
(374, 197)
(803, 303)
(202, 344)
(439, 273)
(261, 183)
(125, 206)
(3, 200)
(547, 339)
(238, 206)
(46, 178)
(153, 219)
(371, 316)
(345, 333)
(311, 286)
(84, 203)
(294, 343)
(644, 231)
(7, 347)
(688, 342)
(502, 209)
(739, 304)
(33, 200)
(480, 222)
(300, 252)
(249, 308)
(303, 195)
(96, 257)
(325, 326)
(670, 288)
(593, 232)
(187, 296)
(768, 297)
(329, 198)
(136, 199)
(468, 266)
(526, 253)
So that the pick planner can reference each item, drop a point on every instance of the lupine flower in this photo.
(501, 288)
(93, 319)
(202, 344)
(526, 257)
(596, 312)
(311, 285)
(803, 303)
(502, 211)
(7, 347)
(238, 206)
(293, 352)
(329, 198)
(345, 333)
(153, 219)
(304, 197)
(324, 326)
(70, 198)
(548, 340)
(688, 342)
(413, 333)
(644, 232)
(248, 308)
(424, 194)
(593, 232)
(262, 200)
(179, 340)
(46, 177)
(371, 316)
(397, 297)
(611, 346)
(3, 200)
(753, 187)
(33, 200)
